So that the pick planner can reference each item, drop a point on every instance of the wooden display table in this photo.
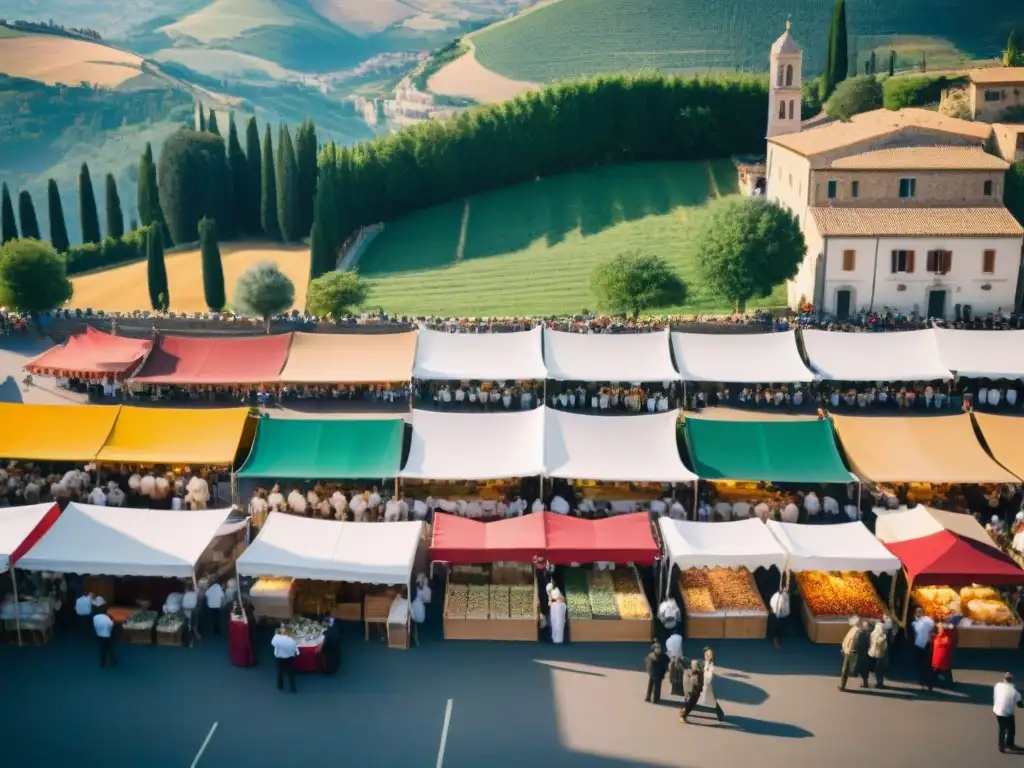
(705, 626)
(519, 629)
(375, 610)
(610, 630)
(137, 636)
(746, 627)
(398, 636)
(170, 638)
(348, 612)
(824, 630)
(976, 636)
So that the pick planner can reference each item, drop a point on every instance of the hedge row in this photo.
(107, 253)
(915, 90)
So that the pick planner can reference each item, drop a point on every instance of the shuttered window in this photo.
(988, 262)
(939, 262)
(849, 261)
(902, 261)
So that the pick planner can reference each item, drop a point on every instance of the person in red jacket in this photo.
(942, 654)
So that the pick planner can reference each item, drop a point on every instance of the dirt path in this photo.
(467, 78)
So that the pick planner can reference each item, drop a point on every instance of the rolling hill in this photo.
(573, 38)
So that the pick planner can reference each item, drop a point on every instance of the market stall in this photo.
(884, 357)
(20, 529)
(319, 567)
(349, 358)
(952, 568)
(479, 356)
(982, 354)
(609, 357)
(714, 564)
(93, 356)
(137, 552)
(64, 433)
(213, 360)
(740, 358)
(831, 564)
(605, 600)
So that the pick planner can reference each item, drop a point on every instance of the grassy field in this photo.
(571, 38)
(124, 288)
(53, 59)
(531, 249)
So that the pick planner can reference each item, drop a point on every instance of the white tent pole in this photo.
(17, 605)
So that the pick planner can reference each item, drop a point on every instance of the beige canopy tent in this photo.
(1003, 436)
(349, 358)
(923, 449)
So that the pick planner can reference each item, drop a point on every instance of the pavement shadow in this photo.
(728, 688)
(10, 392)
(751, 725)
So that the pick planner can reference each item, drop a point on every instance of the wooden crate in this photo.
(137, 636)
(610, 630)
(398, 636)
(348, 612)
(988, 637)
(170, 638)
(467, 629)
(705, 627)
(827, 632)
(746, 627)
(513, 630)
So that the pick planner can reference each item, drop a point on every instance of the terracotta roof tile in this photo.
(997, 76)
(923, 158)
(994, 221)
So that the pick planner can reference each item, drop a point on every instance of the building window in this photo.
(988, 262)
(791, 109)
(940, 262)
(902, 261)
(782, 110)
(908, 187)
(782, 70)
(993, 95)
(855, 189)
(789, 74)
(833, 189)
(849, 261)
(988, 188)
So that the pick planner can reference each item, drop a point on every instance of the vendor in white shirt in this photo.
(779, 605)
(923, 629)
(214, 600)
(1005, 700)
(83, 609)
(285, 651)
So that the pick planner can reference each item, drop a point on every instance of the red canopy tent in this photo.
(91, 355)
(461, 541)
(946, 558)
(222, 360)
(619, 539)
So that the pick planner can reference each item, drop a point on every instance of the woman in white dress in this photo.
(707, 693)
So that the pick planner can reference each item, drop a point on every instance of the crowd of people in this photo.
(479, 395)
(621, 398)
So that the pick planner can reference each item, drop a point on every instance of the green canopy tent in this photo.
(326, 449)
(780, 451)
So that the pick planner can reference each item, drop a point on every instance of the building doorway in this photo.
(937, 304)
(843, 300)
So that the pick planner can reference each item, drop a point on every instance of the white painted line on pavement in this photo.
(205, 744)
(444, 734)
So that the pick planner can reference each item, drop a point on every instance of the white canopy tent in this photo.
(738, 544)
(116, 541)
(639, 449)
(476, 446)
(16, 525)
(841, 547)
(479, 356)
(609, 356)
(739, 358)
(982, 354)
(896, 356)
(325, 550)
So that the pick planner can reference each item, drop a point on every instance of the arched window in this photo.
(789, 74)
(782, 110)
(782, 71)
(791, 109)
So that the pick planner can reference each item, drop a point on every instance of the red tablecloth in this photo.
(308, 658)
(240, 650)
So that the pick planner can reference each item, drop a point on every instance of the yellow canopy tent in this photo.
(1003, 435)
(917, 449)
(54, 432)
(178, 436)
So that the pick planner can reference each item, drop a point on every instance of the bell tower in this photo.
(784, 92)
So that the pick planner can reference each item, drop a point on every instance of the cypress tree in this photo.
(287, 187)
(892, 63)
(147, 197)
(924, 62)
(202, 118)
(58, 229)
(253, 160)
(213, 269)
(156, 271)
(305, 157)
(238, 171)
(8, 225)
(323, 245)
(87, 207)
(838, 52)
(268, 189)
(115, 218)
(211, 123)
(27, 216)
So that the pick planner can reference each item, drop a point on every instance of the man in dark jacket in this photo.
(656, 664)
(693, 685)
(332, 646)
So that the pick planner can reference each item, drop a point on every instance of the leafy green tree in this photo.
(287, 187)
(268, 189)
(156, 272)
(1013, 56)
(213, 268)
(27, 216)
(87, 207)
(253, 159)
(747, 247)
(305, 158)
(8, 224)
(838, 55)
(211, 123)
(323, 243)
(33, 277)
(58, 229)
(634, 281)
(193, 182)
(115, 218)
(238, 171)
(263, 290)
(853, 96)
(336, 294)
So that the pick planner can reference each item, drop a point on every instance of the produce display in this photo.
(577, 594)
(602, 596)
(520, 599)
(141, 620)
(982, 605)
(499, 602)
(719, 589)
(479, 600)
(305, 631)
(500, 591)
(458, 601)
(629, 597)
(170, 622)
(598, 594)
(840, 594)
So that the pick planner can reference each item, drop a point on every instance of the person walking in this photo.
(676, 666)
(878, 653)
(854, 644)
(285, 651)
(558, 613)
(656, 665)
(701, 687)
(923, 628)
(942, 655)
(103, 625)
(1005, 697)
(779, 615)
